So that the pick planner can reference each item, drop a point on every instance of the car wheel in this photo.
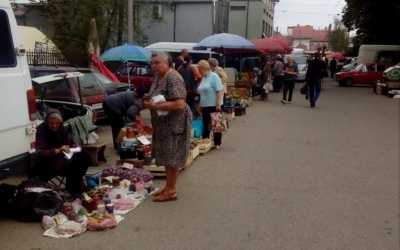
(349, 82)
(341, 83)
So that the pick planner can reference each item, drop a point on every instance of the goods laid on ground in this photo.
(109, 194)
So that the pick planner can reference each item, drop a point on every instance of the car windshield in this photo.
(104, 80)
(89, 80)
(360, 67)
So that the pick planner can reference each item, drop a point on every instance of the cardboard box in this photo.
(121, 135)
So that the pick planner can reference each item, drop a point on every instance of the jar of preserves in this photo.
(95, 201)
(66, 208)
(115, 181)
(129, 133)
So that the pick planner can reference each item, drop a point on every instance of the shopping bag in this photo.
(218, 122)
(197, 125)
(270, 86)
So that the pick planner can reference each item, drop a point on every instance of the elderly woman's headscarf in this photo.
(53, 113)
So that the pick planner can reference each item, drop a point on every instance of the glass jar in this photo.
(147, 159)
(115, 181)
(66, 208)
(129, 133)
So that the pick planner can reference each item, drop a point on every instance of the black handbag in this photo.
(304, 89)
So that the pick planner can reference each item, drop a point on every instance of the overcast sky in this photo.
(317, 13)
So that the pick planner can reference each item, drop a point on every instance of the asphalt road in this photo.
(286, 177)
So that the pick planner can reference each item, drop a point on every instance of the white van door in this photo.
(18, 108)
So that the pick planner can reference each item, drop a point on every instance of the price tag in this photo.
(127, 165)
(143, 140)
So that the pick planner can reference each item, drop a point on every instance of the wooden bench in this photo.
(96, 151)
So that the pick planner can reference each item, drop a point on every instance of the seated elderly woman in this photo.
(53, 139)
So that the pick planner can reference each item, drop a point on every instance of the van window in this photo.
(7, 52)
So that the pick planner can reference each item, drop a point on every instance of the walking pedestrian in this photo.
(332, 66)
(171, 132)
(314, 75)
(290, 71)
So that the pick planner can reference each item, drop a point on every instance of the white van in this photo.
(379, 53)
(175, 48)
(17, 97)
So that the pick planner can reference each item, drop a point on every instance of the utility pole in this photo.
(130, 21)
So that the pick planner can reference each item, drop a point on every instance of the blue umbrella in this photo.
(225, 41)
(125, 53)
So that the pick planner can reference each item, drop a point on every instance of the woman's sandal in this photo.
(158, 193)
(165, 197)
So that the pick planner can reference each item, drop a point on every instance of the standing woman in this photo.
(265, 66)
(290, 72)
(211, 97)
(171, 132)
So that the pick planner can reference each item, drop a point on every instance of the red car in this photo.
(138, 74)
(365, 73)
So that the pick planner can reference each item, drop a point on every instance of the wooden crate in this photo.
(196, 151)
(205, 145)
(189, 159)
(155, 170)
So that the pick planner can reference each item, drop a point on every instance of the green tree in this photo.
(71, 22)
(338, 37)
(375, 21)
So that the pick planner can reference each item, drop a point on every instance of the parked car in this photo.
(364, 73)
(139, 73)
(352, 65)
(92, 92)
(109, 85)
(68, 110)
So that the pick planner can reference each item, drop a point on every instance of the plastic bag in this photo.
(70, 228)
(48, 222)
(126, 203)
(33, 205)
(108, 223)
(197, 125)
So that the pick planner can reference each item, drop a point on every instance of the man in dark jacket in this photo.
(120, 105)
(314, 76)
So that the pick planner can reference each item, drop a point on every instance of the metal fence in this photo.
(52, 58)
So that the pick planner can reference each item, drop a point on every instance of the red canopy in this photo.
(102, 68)
(337, 55)
(268, 46)
(281, 43)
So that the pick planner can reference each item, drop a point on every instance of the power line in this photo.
(300, 12)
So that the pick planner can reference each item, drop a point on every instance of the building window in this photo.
(157, 11)
(238, 7)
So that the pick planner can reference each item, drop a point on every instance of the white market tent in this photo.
(33, 38)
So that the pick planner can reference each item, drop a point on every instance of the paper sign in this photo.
(143, 140)
(127, 165)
